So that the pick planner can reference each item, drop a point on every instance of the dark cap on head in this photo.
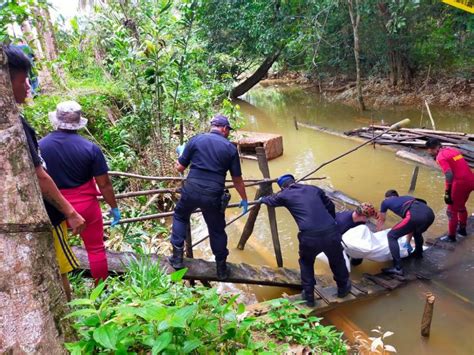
(391, 193)
(18, 62)
(432, 143)
(220, 121)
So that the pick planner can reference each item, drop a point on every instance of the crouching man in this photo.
(417, 218)
(314, 214)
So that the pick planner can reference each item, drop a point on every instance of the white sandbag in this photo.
(361, 243)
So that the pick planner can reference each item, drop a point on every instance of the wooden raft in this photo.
(417, 137)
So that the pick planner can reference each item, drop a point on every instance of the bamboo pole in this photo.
(429, 114)
(427, 315)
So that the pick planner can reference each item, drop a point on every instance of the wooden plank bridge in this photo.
(325, 295)
(368, 286)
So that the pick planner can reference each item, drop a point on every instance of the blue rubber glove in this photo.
(244, 205)
(408, 247)
(180, 149)
(115, 214)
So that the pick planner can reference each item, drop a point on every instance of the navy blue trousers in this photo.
(418, 218)
(195, 196)
(329, 243)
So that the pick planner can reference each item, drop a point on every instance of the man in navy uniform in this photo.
(210, 156)
(314, 214)
(417, 218)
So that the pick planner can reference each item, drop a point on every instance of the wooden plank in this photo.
(204, 270)
(250, 224)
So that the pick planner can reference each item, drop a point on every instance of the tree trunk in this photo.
(46, 34)
(32, 39)
(32, 300)
(399, 65)
(355, 20)
(255, 78)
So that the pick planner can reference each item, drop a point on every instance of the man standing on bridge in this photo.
(314, 214)
(210, 156)
(417, 218)
(459, 184)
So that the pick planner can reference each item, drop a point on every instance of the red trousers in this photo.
(457, 212)
(84, 199)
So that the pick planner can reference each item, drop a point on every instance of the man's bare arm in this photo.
(179, 167)
(380, 221)
(240, 187)
(106, 189)
(51, 194)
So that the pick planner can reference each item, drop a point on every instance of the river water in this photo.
(364, 175)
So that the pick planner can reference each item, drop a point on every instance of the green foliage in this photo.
(290, 324)
(148, 310)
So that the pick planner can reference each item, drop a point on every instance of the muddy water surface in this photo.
(364, 175)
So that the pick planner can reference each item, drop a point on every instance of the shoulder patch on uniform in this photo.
(458, 157)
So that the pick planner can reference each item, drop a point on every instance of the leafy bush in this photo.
(150, 311)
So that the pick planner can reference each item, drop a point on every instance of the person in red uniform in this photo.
(459, 184)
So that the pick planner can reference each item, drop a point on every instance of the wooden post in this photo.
(188, 247)
(263, 166)
(295, 122)
(414, 179)
(427, 315)
(250, 224)
(429, 114)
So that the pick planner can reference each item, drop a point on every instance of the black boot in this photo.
(222, 272)
(417, 254)
(308, 297)
(396, 270)
(176, 260)
(344, 291)
(462, 231)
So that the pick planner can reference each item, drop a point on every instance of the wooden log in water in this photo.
(414, 179)
(405, 154)
(427, 315)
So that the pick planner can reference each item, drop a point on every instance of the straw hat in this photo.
(67, 116)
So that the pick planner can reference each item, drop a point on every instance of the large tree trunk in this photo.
(32, 39)
(255, 78)
(45, 31)
(355, 20)
(32, 301)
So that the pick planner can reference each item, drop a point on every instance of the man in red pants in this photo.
(459, 184)
(78, 167)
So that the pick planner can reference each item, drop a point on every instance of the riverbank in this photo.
(453, 92)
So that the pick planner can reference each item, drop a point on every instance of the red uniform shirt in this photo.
(452, 159)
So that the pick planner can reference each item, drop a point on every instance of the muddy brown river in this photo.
(364, 175)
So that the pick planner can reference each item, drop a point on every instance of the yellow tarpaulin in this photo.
(466, 5)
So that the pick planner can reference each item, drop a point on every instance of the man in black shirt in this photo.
(58, 208)
(314, 214)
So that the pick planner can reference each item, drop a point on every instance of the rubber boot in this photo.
(395, 270)
(308, 297)
(344, 291)
(462, 231)
(176, 260)
(222, 272)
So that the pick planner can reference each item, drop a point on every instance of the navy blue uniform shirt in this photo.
(308, 204)
(55, 216)
(345, 222)
(71, 160)
(211, 155)
(395, 204)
